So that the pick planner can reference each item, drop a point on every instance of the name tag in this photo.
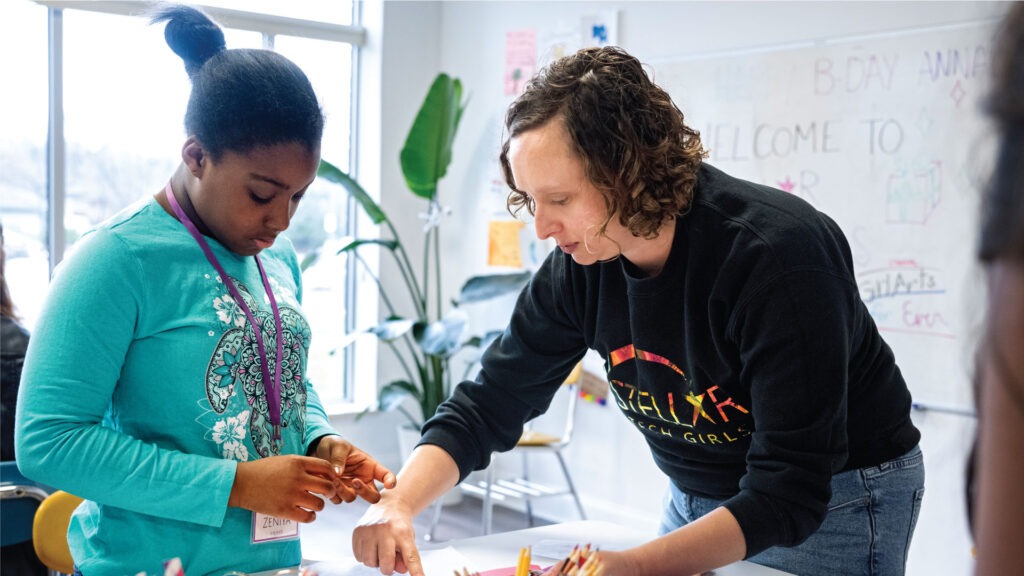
(270, 529)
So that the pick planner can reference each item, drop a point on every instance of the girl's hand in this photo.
(283, 486)
(354, 472)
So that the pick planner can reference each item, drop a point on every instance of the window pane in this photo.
(23, 32)
(321, 220)
(125, 94)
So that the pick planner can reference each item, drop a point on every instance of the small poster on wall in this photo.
(503, 244)
(520, 59)
(566, 37)
(601, 29)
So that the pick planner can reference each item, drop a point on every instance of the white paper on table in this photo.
(559, 549)
(438, 561)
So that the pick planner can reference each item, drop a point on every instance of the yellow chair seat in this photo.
(50, 531)
(522, 488)
(534, 438)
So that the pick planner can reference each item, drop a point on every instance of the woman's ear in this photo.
(194, 156)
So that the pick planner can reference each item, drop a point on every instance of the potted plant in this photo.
(425, 335)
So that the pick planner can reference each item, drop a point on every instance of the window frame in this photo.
(269, 26)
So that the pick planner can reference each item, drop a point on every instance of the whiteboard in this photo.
(886, 135)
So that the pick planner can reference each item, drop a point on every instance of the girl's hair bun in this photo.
(191, 34)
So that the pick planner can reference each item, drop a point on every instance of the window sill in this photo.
(343, 408)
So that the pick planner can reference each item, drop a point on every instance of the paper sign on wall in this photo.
(600, 29)
(520, 59)
(503, 243)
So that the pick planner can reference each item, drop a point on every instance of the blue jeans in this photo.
(867, 530)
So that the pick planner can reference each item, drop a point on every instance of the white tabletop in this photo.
(549, 545)
(502, 549)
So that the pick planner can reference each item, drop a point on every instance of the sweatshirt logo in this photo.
(678, 412)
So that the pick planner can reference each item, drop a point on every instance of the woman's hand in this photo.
(384, 538)
(354, 472)
(283, 486)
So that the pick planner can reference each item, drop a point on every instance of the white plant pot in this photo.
(408, 436)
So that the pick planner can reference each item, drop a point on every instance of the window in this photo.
(23, 206)
(120, 96)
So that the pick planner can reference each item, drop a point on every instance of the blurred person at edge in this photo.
(17, 558)
(996, 492)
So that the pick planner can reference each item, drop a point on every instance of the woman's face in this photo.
(245, 201)
(567, 206)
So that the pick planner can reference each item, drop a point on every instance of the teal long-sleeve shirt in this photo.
(142, 391)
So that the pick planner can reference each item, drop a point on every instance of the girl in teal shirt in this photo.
(166, 379)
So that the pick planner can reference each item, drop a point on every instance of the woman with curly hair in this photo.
(733, 334)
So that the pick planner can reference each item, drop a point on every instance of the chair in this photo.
(521, 488)
(20, 497)
(50, 531)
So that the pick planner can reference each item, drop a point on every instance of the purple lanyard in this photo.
(272, 387)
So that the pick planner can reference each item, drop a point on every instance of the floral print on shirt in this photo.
(236, 366)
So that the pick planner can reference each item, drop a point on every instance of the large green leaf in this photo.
(393, 393)
(347, 340)
(428, 147)
(444, 337)
(480, 343)
(309, 260)
(484, 340)
(485, 287)
(357, 242)
(332, 173)
(392, 329)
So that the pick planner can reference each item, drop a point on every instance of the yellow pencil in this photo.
(522, 562)
(574, 556)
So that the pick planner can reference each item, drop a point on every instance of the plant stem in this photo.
(405, 267)
(439, 392)
(418, 424)
(437, 266)
(401, 360)
(380, 287)
(426, 268)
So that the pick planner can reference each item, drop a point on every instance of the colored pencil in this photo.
(523, 566)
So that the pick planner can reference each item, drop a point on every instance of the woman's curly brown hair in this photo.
(636, 148)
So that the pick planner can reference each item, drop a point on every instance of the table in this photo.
(502, 549)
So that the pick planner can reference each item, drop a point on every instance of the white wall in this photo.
(613, 468)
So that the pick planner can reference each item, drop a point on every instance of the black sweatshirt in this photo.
(750, 364)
